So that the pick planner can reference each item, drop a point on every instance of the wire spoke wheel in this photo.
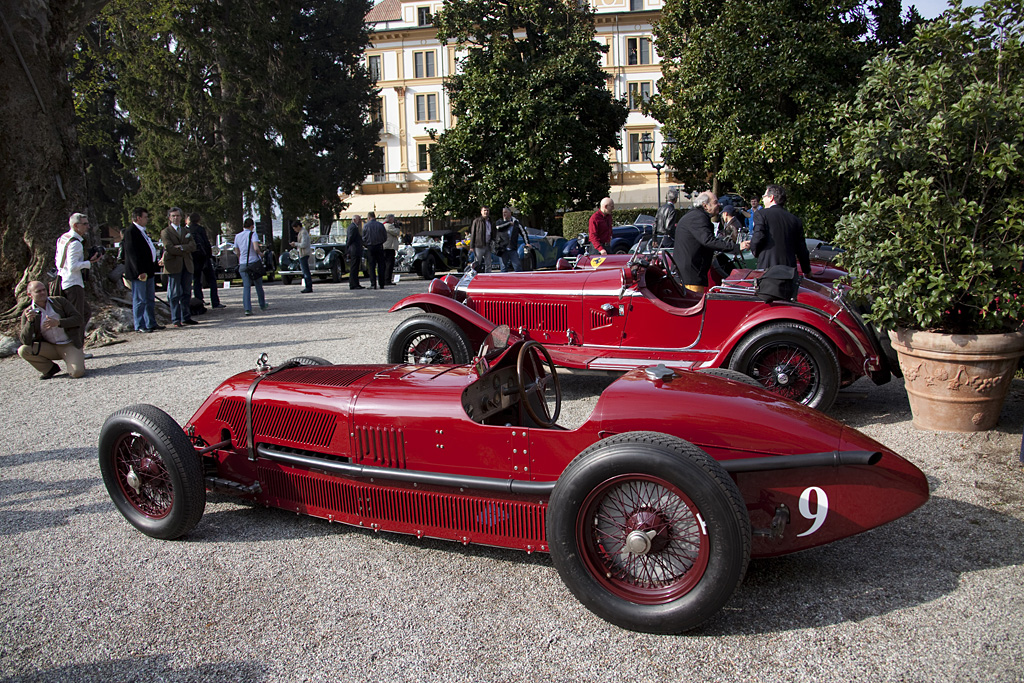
(152, 472)
(643, 539)
(787, 370)
(426, 339)
(427, 348)
(142, 476)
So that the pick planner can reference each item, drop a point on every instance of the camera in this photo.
(96, 251)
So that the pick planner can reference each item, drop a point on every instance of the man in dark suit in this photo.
(695, 243)
(140, 271)
(179, 245)
(665, 220)
(778, 238)
(354, 251)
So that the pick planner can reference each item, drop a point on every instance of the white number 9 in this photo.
(820, 508)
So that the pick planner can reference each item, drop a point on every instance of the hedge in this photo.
(575, 222)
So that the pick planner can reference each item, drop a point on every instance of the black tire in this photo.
(286, 279)
(166, 497)
(648, 482)
(307, 361)
(427, 268)
(620, 250)
(734, 375)
(428, 338)
(793, 361)
(335, 271)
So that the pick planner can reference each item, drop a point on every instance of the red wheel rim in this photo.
(142, 475)
(429, 349)
(642, 539)
(786, 370)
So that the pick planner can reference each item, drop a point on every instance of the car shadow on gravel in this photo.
(36, 457)
(152, 668)
(912, 561)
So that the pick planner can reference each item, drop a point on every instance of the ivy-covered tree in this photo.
(748, 89)
(533, 121)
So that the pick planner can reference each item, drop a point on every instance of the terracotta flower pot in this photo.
(957, 382)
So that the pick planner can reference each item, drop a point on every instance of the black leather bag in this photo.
(254, 268)
(778, 282)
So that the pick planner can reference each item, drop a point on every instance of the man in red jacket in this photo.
(600, 228)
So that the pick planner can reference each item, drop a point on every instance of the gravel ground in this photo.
(261, 595)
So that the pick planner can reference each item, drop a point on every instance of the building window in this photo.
(426, 107)
(377, 168)
(423, 17)
(635, 150)
(636, 5)
(377, 111)
(639, 92)
(423, 64)
(638, 50)
(373, 67)
(423, 157)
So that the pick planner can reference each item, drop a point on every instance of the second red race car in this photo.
(621, 317)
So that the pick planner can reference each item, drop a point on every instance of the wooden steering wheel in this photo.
(534, 383)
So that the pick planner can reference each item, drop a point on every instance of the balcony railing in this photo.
(399, 177)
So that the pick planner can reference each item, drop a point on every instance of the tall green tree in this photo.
(533, 119)
(329, 147)
(748, 88)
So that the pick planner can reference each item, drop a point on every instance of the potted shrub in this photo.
(934, 234)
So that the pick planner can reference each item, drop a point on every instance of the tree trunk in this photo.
(42, 178)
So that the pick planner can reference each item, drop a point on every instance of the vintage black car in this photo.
(623, 238)
(328, 261)
(431, 252)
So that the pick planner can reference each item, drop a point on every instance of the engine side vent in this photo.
(547, 317)
(302, 425)
(383, 445)
(324, 375)
(232, 411)
(460, 517)
(502, 312)
(599, 318)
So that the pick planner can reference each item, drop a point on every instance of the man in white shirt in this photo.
(50, 331)
(71, 261)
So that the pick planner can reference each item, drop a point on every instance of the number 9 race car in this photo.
(650, 510)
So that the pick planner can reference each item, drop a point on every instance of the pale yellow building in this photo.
(410, 66)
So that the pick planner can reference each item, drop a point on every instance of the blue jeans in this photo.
(307, 278)
(243, 270)
(179, 295)
(510, 261)
(144, 303)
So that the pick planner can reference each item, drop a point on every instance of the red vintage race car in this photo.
(651, 509)
(634, 314)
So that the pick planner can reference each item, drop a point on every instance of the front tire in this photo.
(427, 269)
(793, 361)
(426, 339)
(648, 532)
(307, 361)
(335, 271)
(152, 472)
(286, 279)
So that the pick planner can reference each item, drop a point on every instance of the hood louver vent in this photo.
(324, 375)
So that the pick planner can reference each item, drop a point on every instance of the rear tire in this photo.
(649, 532)
(152, 472)
(426, 339)
(307, 361)
(793, 361)
(734, 375)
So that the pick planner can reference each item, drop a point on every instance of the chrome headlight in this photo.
(294, 254)
(215, 251)
(319, 254)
